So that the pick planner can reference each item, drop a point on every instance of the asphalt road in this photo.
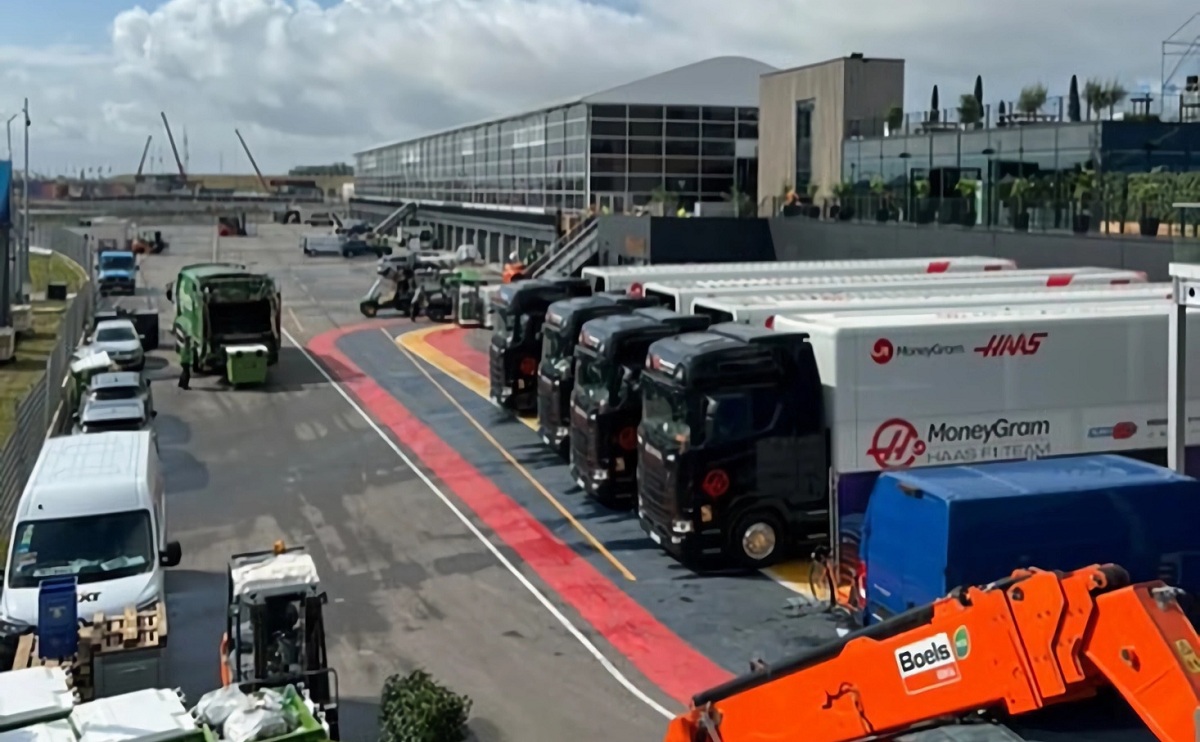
(409, 584)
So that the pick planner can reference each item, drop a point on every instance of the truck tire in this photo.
(368, 308)
(757, 539)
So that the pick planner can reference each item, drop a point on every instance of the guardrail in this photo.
(43, 411)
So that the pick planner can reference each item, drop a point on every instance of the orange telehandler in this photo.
(1032, 640)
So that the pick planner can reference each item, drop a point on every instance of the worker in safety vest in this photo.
(681, 213)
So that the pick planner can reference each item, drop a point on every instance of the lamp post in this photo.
(23, 252)
(8, 127)
(989, 179)
(908, 207)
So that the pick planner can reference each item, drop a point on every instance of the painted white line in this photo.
(295, 319)
(507, 564)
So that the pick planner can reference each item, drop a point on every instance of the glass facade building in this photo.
(690, 133)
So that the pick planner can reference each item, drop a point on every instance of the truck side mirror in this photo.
(172, 555)
(712, 413)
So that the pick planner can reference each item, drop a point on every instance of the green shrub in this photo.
(418, 709)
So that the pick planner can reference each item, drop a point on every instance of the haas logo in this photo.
(1012, 345)
(883, 351)
(896, 444)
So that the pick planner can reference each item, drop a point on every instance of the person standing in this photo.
(185, 361)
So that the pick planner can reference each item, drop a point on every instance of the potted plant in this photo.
(416, 707)
(967, 189)
(1083, 186)
(879, 190)
(843, 193)
(894, 118)
(1148, 190)
(1018, 192)
(814, 208)
(925, 211)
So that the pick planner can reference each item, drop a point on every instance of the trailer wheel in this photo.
(757, 539)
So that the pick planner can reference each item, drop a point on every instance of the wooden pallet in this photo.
(133, 630)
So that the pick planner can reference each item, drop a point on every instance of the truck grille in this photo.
(583, 442)
(549, 410)
(496, 371)
(654, 497)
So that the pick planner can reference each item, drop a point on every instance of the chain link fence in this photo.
(44, 410)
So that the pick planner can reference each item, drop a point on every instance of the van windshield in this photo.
(108, 393)
(93, 548)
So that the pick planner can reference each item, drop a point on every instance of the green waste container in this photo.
(246, 364)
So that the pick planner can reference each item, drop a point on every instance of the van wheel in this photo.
(758, 539)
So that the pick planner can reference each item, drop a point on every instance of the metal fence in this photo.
(44, 410)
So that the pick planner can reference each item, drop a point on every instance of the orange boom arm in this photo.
(1033, 640)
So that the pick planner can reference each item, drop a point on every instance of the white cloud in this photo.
(308, 85)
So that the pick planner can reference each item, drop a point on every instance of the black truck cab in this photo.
(556, 372)
(732, 447)
(518, 311)
(606, 405)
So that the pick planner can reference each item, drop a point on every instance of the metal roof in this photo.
(719, 81)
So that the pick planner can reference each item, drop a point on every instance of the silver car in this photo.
(119, 338)
(103, 416)
(120, 385)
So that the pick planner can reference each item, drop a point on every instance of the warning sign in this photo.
(927, 664)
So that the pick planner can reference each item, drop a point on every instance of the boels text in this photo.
(933, 654)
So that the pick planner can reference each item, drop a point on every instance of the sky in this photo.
(312, 82)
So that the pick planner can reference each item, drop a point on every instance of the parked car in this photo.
(103, 416)
(119, 338)
(120, 385)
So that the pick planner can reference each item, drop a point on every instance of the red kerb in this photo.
(1060, 279)
(938, 266)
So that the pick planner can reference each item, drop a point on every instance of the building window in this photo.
(718, 113)
(609, 112)
(683, 113)
(804, 144)
(683, 131)
(608, 146)
(651, 113)
(608, 128)
(648, 129)
(682, 148)
(646, 147)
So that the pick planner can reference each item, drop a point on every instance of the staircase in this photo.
(570, 254)
(395, 219)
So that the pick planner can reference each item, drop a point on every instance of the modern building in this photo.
(806, 113)
(687, 135)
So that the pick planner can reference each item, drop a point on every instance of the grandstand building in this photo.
(690, 133)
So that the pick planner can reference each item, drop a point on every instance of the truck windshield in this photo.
(117, 262)
(127, 424)
(92, 548)
(592, 373)
(664, 410)
(555, 344)
(106, 393)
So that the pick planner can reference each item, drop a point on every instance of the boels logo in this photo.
(932, 662)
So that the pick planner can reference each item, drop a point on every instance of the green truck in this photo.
(224, 305)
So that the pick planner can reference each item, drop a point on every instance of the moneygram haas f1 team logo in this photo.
(896, 444)
(928, 664)
(883, 351)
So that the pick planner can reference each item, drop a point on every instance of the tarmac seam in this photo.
(545, 602)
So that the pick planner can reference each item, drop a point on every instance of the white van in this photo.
(93, 509)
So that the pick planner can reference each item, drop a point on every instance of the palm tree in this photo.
(969, 110)
(1094, 95)
(1032, 99)
(1114, 93)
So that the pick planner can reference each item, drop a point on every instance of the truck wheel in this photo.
(758, 539)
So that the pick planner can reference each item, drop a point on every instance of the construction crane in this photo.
(142, 162)
(261, 180)
(171, 139)
(1032, 640)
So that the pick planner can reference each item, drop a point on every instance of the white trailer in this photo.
(965, 386)
(681, 295)
(752, 310)
(632, 277)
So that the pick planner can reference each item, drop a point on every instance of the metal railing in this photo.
(44, 409)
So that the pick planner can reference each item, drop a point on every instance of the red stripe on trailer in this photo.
(938, 266)
(1060, 279)
(995, 267)
(1120, 281)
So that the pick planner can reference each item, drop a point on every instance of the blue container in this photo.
(927, 531)
(58, 618)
